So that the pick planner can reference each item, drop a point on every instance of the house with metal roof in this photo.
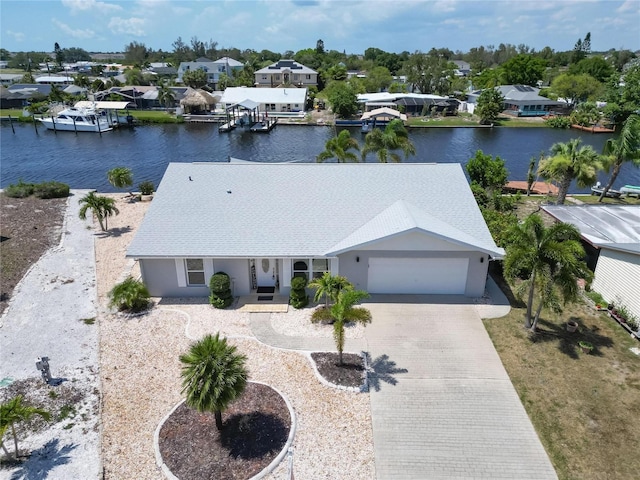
(611, 237)
(522, 101)
(286, 73)
(389, 228)
(268, 99)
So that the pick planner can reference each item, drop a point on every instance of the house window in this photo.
(320, 267)
(264, 77)
(300, 268)
(195, 271)
(308, 77)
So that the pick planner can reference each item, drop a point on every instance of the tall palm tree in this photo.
(343, 311)
(570, 161)
(166, 96)
(102, 208)
(213, 375)
(329, 286)
(14, 411)
(384, 142)
(550, 259)
(339, 148)
(120, 177)
(624, 148)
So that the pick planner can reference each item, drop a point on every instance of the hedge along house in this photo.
(389, 228)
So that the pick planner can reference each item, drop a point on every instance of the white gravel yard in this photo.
(297, 323)
(140, 373)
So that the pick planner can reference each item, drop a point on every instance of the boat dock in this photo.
(538, 188)
(594, 129)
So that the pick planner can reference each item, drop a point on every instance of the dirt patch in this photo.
(255, 429)
(28, 228)
(349, 374)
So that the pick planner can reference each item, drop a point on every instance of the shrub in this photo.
(21, 190)
(298, 297)
(558, 122)
(51, 190)
(130, 295)
(596, 297)
(146, 188)
(220, 287)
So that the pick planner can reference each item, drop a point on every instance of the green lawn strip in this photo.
(154, 116)
(593, 199)
(585, 407)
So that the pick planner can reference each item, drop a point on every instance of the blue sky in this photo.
(351, 25)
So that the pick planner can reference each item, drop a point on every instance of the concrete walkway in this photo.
(453, 412)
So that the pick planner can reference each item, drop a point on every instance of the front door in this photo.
(266, 272)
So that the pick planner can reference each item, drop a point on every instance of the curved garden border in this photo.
(361, 389)
(268, 469)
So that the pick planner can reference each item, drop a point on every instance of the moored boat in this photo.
(77, 120)
(631, 190)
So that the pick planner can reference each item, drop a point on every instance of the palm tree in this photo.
(626, 147)
(120, 177)
(569, 162)
(338, 148)
(546, 258)
(166, 96)
(213, 375)
(14, 411)
(329, 286)
(344, 311)
(102, 208)
(384, 142)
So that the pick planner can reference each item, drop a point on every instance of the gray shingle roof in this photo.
(254, 209)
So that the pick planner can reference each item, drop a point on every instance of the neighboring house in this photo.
(286, 73)
(20, 95)
(4, 64)
(270, 99)
(611, 237)
(224, 65)
(522, 101)
(55, 79)
(10, 78)
(389, 228)
(463, 69)
(412, 103)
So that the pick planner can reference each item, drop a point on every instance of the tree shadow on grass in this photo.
(43, 460)
(253, 435)
(382, 370)
(568, 341)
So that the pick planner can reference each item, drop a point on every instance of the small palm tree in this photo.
(120, 177)
(624, 148)
(570, 161)
(166, 96)
(213, 375)
(131, 295)
(102, 208)
(14, 411)
(329, 286)
(338, 148)
(549, 259)
(384, 142)
(343, 311)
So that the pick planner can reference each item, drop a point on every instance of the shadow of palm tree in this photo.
(114, 232)
(568, 341)
(253, 435)
(41, 461)
(381, 370)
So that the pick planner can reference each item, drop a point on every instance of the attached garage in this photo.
(418, 275)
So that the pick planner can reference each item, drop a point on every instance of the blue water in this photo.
(82, 160)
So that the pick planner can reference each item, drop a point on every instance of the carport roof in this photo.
(605, 226)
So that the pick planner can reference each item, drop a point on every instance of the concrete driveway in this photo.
(453, 412)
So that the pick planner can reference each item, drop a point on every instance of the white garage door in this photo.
(418, 275)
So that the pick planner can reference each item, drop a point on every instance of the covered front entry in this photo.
(418, 275)
(266, 272)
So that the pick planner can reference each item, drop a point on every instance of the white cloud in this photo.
(18, 36)
(630, 6)
(130, 26)
(77, 33)
(90, 5)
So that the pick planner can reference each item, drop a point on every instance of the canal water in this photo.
(82, 160)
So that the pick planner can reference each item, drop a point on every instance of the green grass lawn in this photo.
(585, 407)
(593, 199)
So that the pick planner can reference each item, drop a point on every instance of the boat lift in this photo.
(246, 115)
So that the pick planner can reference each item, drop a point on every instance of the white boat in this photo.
(631, 190)
(77, 120)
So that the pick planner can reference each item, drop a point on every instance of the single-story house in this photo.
(269, 99)
(611, 237)
(389, 228)
(522, 101)
(412, 103)
(286, 73)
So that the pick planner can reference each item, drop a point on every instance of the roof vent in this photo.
(228, 191)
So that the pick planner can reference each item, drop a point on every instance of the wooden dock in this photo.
(538, 188)
(593, 129)
(265, 126)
